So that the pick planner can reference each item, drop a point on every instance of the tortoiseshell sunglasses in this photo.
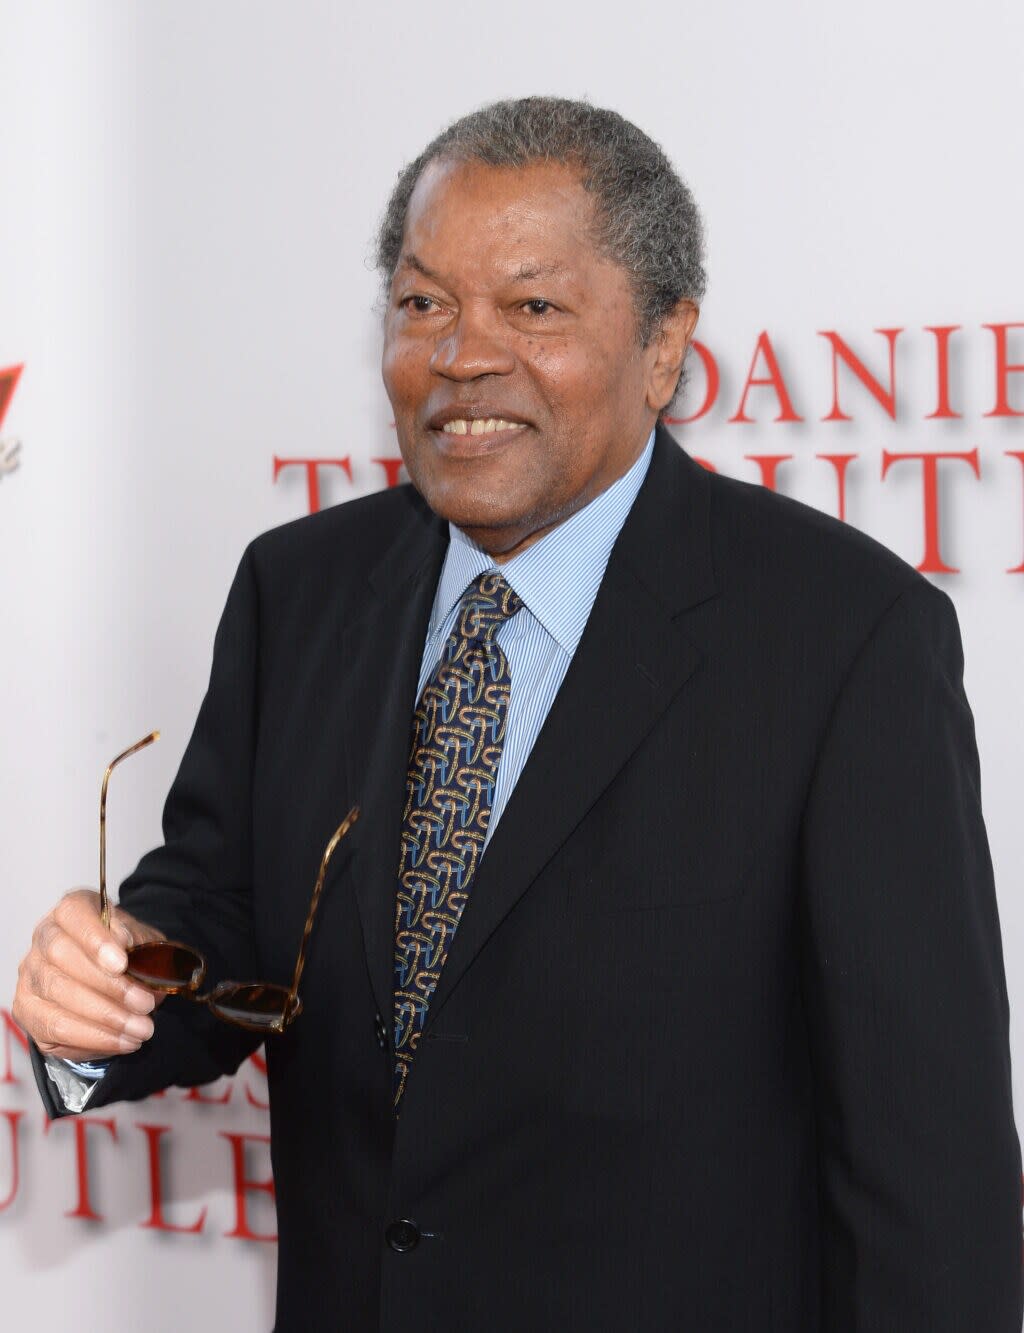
(178, 969)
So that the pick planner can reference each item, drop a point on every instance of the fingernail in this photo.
(125, 934)
(142, 1001)
(127, 1045)
(140, 1028)
(112, 958)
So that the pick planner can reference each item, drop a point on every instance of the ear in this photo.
(669, 345)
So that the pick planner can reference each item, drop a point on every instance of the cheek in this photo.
(403, 366)
(576, 379)
(566, 378)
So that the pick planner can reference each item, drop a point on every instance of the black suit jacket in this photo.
(721, 1042)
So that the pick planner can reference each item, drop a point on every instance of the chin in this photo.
(475, 517)
(469, 504)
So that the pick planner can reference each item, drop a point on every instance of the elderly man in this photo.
(660, 984)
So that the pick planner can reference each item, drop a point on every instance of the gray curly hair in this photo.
(646, 217)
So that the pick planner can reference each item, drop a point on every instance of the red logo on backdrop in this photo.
(766, 376)
(80, 1142)
(9, 448)
(871, 387)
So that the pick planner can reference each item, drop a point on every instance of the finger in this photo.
(84, 905)
(54, 947)
(121, 929)
(78, 915)
(131, 930)
(137, 932)
(81, 1002)
(57, 1032)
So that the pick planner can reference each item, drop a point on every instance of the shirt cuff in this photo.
(75, 1080)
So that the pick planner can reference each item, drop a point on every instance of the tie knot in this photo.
(486, 604)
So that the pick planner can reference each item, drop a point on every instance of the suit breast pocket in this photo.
(669, 875)
(675, 843)
(647, 869)
(706, 806)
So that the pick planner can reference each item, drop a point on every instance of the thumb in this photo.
(129, 930)
(120, 929)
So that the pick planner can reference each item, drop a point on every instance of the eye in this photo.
(538, 306)
(418, 304)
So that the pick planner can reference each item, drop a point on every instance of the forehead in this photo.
(468, 215)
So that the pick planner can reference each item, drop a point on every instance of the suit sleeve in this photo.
(905, 995)
(196, 887)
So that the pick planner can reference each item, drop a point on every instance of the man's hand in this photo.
(73, 998)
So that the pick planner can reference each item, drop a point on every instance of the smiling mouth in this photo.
(479, 426)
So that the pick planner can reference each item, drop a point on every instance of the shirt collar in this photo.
(559, 575)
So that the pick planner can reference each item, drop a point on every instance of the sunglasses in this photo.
(178, 969)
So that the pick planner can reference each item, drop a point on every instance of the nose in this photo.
(473, 347)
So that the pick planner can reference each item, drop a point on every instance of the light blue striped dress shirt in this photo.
(557, 578)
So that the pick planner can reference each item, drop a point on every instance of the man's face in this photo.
(511, 357)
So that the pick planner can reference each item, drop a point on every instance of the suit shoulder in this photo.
(356, 532)
(792, 544)
(811, 594)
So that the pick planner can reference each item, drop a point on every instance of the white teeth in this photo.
(478, 426)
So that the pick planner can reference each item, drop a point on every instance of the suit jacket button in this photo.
(382, 1033)
(403, 1235)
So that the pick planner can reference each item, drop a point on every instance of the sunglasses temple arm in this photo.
(300, 963)
(104, 901)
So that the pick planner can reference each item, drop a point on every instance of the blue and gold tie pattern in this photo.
(458, 735)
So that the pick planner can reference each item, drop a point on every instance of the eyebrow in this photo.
(409, 260)
(525, 273)
(528, 272)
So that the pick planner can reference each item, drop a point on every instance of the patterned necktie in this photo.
(457, 739)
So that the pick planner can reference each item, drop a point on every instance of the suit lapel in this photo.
(631, 662)
(384, 650)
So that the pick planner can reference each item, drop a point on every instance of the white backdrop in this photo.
(189, 193)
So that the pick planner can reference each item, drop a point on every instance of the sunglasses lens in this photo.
(264, 1008)
(165, 966)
